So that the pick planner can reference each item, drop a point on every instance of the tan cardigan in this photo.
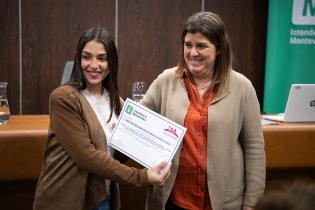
(77, 167)
(236, 164)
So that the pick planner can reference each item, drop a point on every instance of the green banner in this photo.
(290, 54)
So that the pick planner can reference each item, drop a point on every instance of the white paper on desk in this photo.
(145, 136)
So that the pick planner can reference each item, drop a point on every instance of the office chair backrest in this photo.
(66, 72)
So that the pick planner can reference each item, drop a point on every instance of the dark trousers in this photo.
(171, 206)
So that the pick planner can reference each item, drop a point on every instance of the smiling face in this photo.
(94, 64)
(199, 55)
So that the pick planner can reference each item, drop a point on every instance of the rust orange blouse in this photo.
(190, 189)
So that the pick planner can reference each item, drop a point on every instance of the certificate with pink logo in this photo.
(146, 136)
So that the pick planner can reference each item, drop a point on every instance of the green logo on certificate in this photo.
(129, 109)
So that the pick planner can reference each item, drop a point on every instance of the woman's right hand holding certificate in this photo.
(159, 174)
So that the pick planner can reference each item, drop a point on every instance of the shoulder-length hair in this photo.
(212, 27)
(77, 79)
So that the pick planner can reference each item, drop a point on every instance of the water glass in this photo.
(138, 90)
(4, 104)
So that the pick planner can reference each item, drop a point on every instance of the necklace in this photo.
(204, 87)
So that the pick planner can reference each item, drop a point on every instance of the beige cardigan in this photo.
(236, 164)
(77, 167)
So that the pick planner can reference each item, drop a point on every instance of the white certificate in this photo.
(145, 136)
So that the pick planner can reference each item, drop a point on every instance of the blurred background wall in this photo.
(38, 37)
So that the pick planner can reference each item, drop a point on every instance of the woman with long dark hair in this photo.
(79, 170)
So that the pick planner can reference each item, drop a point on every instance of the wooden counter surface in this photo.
(290, 145)
(23, 139)
(22, 144)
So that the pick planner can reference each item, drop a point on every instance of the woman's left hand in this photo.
(158, 174)
(248, 208)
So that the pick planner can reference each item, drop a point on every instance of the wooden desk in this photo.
(23, 139)
(290, 145)
(22, 144)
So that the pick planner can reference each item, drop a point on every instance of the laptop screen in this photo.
(301, 103)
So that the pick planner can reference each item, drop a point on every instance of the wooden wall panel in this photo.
(246, 23)
(9, 53)
(148, 41)
(51, 30)
(149, 38)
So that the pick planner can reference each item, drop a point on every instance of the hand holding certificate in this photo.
(145, 136)
(159, 174)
